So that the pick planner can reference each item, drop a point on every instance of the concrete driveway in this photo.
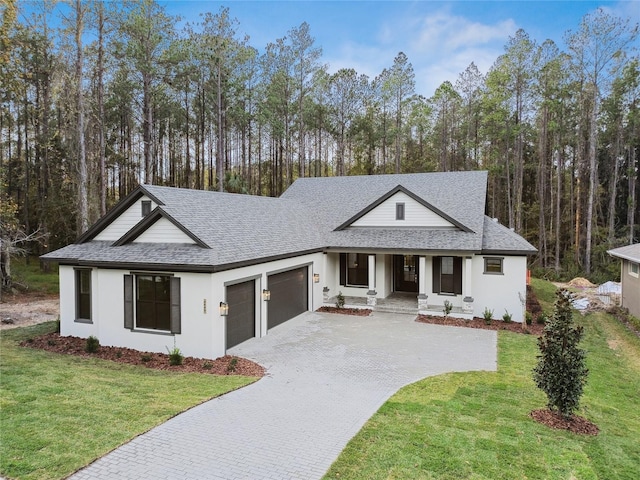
(327, 374)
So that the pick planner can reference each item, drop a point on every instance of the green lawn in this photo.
(476, 425)
(58, 412)
(30, 275)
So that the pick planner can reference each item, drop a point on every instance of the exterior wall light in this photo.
(266, 295)
(224, 309)
(316, 278)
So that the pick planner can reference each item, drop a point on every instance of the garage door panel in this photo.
(289, 295)
(241, 299)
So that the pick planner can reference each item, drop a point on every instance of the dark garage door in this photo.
(289, 295)
(241, 324)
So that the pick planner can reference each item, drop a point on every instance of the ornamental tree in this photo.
(561, 372)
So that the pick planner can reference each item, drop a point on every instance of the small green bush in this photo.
(340, 300)
(507, 317)
(528, 318)
(448, 306)
(542, 319)
(146, 357)
(92, 345)
(487, 315)
(233, 363)
(175, 356)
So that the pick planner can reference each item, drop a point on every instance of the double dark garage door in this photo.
(289, 298)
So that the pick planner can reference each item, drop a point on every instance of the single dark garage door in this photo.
(241, 324)
(289, 295)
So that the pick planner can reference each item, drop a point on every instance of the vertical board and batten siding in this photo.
(163, 231)
(415, 215)
(125, 222)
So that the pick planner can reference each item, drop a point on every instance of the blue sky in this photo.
(440, 38)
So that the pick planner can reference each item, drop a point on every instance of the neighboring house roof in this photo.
(628, 252)
(314, 214)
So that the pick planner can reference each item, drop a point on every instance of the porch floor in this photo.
(398, 302)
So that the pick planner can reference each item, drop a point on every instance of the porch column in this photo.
(422, 284)
(371, 294)
(324, 276)
(468, 286)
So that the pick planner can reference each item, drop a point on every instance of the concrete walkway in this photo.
(327, 374)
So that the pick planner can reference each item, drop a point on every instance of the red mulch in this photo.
(574, 424)
(360, 312)
(534, 328)
(53, 342)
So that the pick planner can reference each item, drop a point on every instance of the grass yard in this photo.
(476, 425)
(30, 276)
(59, 413)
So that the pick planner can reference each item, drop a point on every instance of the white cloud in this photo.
(449, 32)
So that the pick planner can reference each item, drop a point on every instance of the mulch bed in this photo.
(534, 328)
(359, 312)
(574, 424)
(227, 365)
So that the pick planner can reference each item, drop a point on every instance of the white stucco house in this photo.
(210, 270)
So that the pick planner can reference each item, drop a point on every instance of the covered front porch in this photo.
(399, 302)
(402, 283)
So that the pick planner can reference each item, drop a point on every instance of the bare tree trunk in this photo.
(631, 209)
(613, 188)
(83, 204)
(593, 169)
(101, 143)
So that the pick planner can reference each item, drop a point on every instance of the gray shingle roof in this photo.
(243, 229)
(628, 252)
(500, 239)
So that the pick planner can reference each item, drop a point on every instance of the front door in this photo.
(405, 273)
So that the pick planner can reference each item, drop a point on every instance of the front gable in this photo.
(122, 217)
(159, 227)
(126, 220)
(400, 208)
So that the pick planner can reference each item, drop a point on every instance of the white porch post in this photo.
(371, 294)
(468, 286)
(325, 277)
(422, 284)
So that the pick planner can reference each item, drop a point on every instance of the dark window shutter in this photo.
(457, 275)
(175, 305)
(128, 302)
(436, 274)
(343, 269)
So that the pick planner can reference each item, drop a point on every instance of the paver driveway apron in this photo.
(327, 375)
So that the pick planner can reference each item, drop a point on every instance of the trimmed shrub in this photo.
(92, 345)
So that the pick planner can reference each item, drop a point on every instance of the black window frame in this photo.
(146, 207)
(167, 320)
(356, 275)
(489, 270)
(83, 300)
(400, 211)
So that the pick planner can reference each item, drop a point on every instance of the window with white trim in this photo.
(634, 269)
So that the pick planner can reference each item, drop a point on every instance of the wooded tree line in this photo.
(97, 97)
